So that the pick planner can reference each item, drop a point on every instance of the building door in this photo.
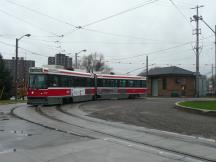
(155, 87)
(183, 90)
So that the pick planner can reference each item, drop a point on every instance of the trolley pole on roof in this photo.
(196, 18)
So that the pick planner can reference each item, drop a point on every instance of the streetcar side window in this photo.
(70, 81)
(90, 82)
(144, 83)
(83, 82)
(64, 81)
(122, 83)
(54, 81)
(38, 81)
(137, 83)
(80, 82)
(115, 83)
(130, 83)
(100, 82)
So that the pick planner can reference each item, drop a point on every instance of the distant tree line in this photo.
(5, 81)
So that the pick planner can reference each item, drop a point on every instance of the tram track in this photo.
(93, 133)
(165, 134)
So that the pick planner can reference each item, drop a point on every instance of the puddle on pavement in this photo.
(3, 116)
(8, 151)
(20, 133)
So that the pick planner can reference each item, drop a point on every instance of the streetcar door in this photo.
(155, 87)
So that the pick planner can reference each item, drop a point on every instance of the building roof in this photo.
(172, 70)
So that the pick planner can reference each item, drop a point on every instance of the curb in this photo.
(156, 132)
(196, 111)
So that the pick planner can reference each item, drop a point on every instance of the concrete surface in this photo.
(72, 140)
(154, 113)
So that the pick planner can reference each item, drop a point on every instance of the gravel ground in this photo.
(157, 113)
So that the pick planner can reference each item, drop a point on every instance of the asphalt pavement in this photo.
(57, 136)
(154, 113)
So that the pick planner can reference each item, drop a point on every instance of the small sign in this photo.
(35, 70)
(78, 91)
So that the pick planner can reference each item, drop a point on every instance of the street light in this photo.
(16, 60)
(76, 55)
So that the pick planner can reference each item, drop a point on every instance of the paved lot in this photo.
(157, 113)
(16, 134)
(21, 141)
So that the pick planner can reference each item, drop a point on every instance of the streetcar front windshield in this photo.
(38, 81)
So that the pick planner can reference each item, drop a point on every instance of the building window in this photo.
(164, 83)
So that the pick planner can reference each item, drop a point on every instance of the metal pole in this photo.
(16, 62)
(146, 66)
(214, 31)
(76, 60)
(196, 18)
(212, 79)
(215, 63)
(197, 53)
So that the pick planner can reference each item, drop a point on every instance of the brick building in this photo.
(22, 68)
(174, 81)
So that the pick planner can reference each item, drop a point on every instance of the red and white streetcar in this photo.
(50, 86)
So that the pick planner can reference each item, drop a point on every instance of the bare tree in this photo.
(95, 62)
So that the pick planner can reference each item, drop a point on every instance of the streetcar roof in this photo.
(43, 70)
(107, 76)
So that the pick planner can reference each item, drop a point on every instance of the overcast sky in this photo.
(124, 39)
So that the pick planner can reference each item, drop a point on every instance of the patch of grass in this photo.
(206, 105)
(5, 102)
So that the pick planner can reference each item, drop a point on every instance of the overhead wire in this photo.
(7, 44)
(26, 22)
(120, 13)
(32, 52)
(182, 14)
(79, 27)
(160, 50)
(181, 3)
(41, 13)
(112, 16)
(11, 45)
(119, 35)
(76, 27)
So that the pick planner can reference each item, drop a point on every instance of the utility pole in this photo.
(146, 66)
(16, 62)
(215, 64)
(213, 87)
(76, 55)
(214, 31)
(147, 71)
(196, 18)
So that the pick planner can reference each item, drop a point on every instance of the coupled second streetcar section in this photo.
(51, 86)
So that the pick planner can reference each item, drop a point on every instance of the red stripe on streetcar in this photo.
(56, 92)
